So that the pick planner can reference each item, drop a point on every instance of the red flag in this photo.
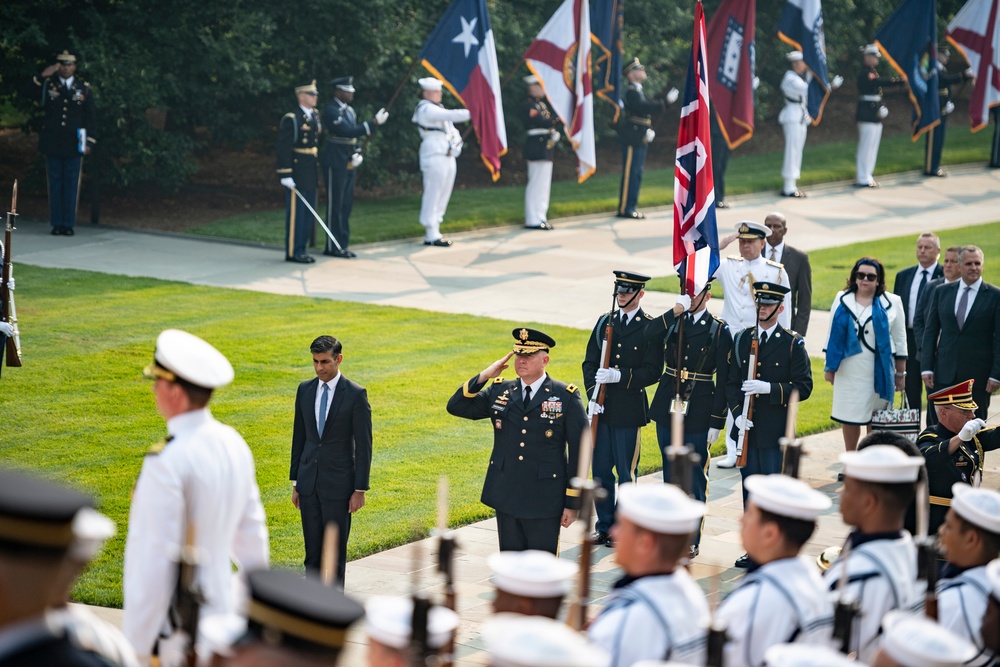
(974, 32)
(730, 52)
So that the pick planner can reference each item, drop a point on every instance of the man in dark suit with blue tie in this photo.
(962, 334)
(331, 452)
(910, 284)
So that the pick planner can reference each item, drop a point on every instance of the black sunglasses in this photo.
(871, 277)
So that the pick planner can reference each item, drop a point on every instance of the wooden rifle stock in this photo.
(599, 389)
(791, 457)
(928, 566)
(328, 557)
(590, 490)
(717, 638)
(744, 435)
(845, 610)
(8, 313)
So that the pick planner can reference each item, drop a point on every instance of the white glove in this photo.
(10, 284)
(971, 73)
(6, 329)
(756, 387)
(837, 82)
(650, 135)
(595, 408)
(806, 118)
(948, 108)
(672, 95)
(883, 112)
(756, 82)
(288, 182)
(970, 429)
(554, 136)
(381, 116)
(608, 375)
(683, 300)
(743, 424)
(356, 160)
(713, 435)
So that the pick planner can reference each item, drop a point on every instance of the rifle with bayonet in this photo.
(599, 387)
(791, 455)
(927, 552)
(421, 653)
(8, 313)
(681, 457)
(590, 490)
(446, 565)
(743, 434)
(185, 607)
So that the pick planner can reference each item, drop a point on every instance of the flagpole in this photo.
(402, 82)
(503, 84)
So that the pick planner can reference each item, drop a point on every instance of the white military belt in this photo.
(538, 132)
(870, 98)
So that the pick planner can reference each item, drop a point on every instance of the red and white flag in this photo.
(974, 32)
(560, 58)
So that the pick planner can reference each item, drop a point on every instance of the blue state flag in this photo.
(606, 20)
(801, 26)
(908, 40)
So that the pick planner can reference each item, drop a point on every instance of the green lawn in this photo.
(80, 412)
(476, 208)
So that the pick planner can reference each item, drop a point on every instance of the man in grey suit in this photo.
(796, 266)
(952, 272)
(331, 452)
(910, 283)
(962, 335)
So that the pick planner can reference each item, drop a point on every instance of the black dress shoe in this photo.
(599, 537)
(350, 254)
(840, 477)
(544, 227)
(610, 542)
(798, 194)
(68, 231)
(634, 215)
(300, 259)
(56, 231)
(743, 562)
(694, 551)
(342, 254)
(440, 243)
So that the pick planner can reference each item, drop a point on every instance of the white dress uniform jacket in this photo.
(204, 477)
(440, 144)
(739, 310)
(782, 602)
(658, 617)
(882, 576)
(795, 120)
(961, 604)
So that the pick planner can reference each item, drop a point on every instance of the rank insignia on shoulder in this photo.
(497, 380)
(647, 315)
(158, 446)
(571, 388)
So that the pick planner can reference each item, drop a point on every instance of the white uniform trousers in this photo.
(536, 194)
(439, 180)
(869, 136)
(795, 141)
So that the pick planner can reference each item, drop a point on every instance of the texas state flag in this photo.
(461, 53)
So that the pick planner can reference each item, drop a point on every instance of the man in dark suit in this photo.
(962, 337)
(298, 138)
(633, 364)
(331, 452)
(952, 272)
(797, 267)
(341, 159)
(910, 284)
(537, 423)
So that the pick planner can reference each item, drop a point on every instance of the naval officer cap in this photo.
(91, 530)
(308, 88)
(959, 395)
(628, 282)
(660, 508)
(36, 517)
(786, 496)
(290, 611)
(634, 65)
(881, 463)
(871, 50)
(429, 83)
(183, 357)
(529, 341)
(769, 292)
(532, 573)
(344, 83)
(389, 621)
(793, 56)
(750, 229)
(806, 655)
(515, 640)
(980, 507)
(917, 641)
(65, 57)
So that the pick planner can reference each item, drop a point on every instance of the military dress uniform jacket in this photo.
(64, 111)
(782, 361)
(637, 115)
(539, 121)
(944, 469)
(625, 401)
(737, 275)
(962, 601)
(870, 94)
(298, 142)
(704, 368)
(781, 602)
(340, 122)
(535, 450)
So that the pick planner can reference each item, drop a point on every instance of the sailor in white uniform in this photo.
(917, 641)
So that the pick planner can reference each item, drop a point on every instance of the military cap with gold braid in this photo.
(748, 229)
(628, 282)
(183, 357)
(769, 292)
(290, 611)
(959, 395)
(529, 341)
(635, 64)
(65, 57)
(36, 517)
(308, 88)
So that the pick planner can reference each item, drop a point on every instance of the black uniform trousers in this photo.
(522, 534)
(298, 221)
(933, 146)
(340, 202)
(64, 175)
(633, 165)
(699, 474)
(620, 450)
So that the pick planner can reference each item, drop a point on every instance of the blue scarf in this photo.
(845, 342)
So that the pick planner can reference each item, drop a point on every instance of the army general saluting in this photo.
(537, 423)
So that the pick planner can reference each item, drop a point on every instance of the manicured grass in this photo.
(476, 208)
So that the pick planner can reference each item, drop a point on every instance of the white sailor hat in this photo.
(793, 56)
(661, 508)
(786, 496)
(980, 507)
(531, 79)
(532, 573)
(389, 621)
(806, 655)
(871, 50)
(917, 641)
(515, 640)
(429, 83)
(749, 229)
(91, 530)
(881, 463)
(181, 356)
(993, 578)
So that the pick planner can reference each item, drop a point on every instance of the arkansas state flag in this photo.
(974, 32)
(606, 20)
(461, 53)
(908, 40)
(801, 26)
(560, 58)
(731, 60)
(696, 237)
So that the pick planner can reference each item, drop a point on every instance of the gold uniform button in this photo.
(523, 431)
(619, 344)
(525, 418)
(553, 475)
(522, 444)
(618, 356)
(520, 458)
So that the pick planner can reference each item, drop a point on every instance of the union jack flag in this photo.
(696, 238)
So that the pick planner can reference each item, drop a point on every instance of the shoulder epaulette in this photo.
(774, 263)
(571, 388)
(497, 380)
(647, 315)
(158, 446)
(735, 258)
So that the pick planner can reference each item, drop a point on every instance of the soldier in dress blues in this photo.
(298, 166)
(934, 144)
(541, 135)
(340, 159)
(537, 424)
(870, 114)
(69, 131)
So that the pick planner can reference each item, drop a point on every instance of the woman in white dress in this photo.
(866, 350)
